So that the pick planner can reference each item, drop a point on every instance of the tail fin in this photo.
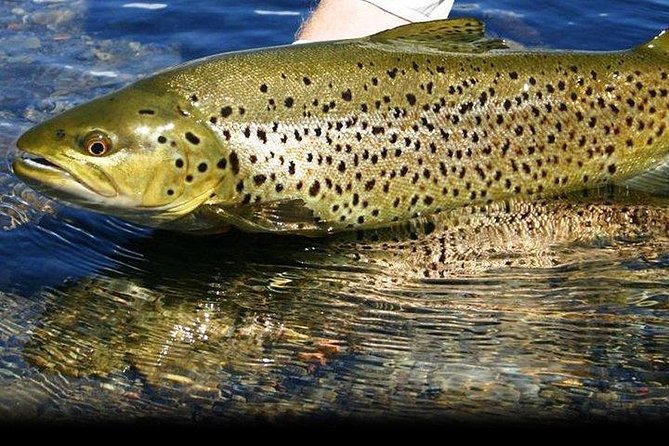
(656, 179)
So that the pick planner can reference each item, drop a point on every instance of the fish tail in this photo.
(655, 180)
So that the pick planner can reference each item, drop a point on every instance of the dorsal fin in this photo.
(659, 42)
(465, 35)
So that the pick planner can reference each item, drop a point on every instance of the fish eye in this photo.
(97, 143)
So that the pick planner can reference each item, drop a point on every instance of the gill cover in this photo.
(130, 153)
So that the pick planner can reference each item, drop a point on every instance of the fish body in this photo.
(359, 134)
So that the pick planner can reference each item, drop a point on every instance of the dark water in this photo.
(102, 320)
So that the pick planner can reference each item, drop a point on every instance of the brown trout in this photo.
(360, 133)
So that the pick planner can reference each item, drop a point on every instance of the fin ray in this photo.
(281, 216)
(659, 42)
(462, 35)
(654, 181)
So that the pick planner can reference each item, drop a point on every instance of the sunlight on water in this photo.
(554, 311)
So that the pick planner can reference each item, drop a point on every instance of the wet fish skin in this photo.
(363, 133)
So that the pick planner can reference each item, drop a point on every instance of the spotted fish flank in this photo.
(360, 133)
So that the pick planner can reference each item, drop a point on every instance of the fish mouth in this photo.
(48, 176)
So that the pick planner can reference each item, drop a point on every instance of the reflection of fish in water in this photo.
(102, 324)
(359, 133)
(538, 234)
(206, 326)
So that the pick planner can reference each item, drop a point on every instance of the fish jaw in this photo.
(46, 171)
(152, 173)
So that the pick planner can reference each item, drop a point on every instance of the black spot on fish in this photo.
(234, 162)
(226, 111)
(347, 95)
(202, 167)
(222, 163)
(262, 136)
(147, 111)
(162, 139)
(179, 163)
(411, 98)
(192, 138)
(315, 187)
(289, 102)
(263, 88)
(189, 178)
(259, 179)
(170, 192)
(240, 186)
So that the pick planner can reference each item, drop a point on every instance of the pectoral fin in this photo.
(285, 216)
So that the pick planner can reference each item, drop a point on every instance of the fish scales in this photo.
(387, 137)
(364, 133)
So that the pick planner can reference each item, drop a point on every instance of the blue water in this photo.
(202, 27)
(103, 320)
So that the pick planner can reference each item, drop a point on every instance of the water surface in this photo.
(103, 320)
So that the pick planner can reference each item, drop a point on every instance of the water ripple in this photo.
(103, 320)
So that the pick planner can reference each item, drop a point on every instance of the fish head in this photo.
(132, 154)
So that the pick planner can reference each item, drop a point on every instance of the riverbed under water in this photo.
(101, 320)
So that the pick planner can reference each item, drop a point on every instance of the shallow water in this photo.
(554, 319)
